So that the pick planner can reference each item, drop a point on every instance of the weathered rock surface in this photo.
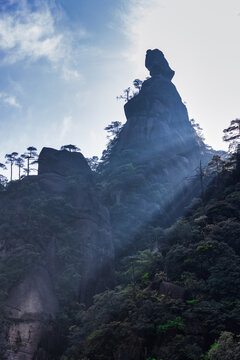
(156, 153)
(80, 248)
(63, 163)
(157, 64)
(56, 219)
(30, 308)
(168, 289)
(157, 120)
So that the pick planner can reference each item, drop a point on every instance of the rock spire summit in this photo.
(157, 64)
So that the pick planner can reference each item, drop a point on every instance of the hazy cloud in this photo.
(65, 126)
(42, 33)
(9, 100)
(26, 34)
(70, 74)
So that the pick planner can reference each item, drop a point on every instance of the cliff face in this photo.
(158, 123)
(55, 235)
(60, 242)
(156, 153)
(157, 120)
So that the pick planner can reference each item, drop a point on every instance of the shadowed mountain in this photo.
(56, 244)
(154, 155)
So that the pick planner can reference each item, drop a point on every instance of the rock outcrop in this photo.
(157, 120)
(30, 308)
(156, 153)
(55, 239)
(61, 243)
(157, 64)
(168, 289)
(63, 163)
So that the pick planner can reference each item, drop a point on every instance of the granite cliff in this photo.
(56, 243)
(154, 156)
(59, 247)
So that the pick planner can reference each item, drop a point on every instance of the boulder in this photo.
(63, 162)
(168, 289)
(157, 64)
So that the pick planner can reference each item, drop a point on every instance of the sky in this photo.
(64, 62)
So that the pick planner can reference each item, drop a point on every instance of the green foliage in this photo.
(33, 225)
(95, 334)
(176, 323)
(141, 268)
(199, 253)
(198, 256)
(204, 247)
(191, 301)
(226, 348)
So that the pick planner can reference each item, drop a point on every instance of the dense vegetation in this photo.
(176, 294)
(178, 298)
(32, 220)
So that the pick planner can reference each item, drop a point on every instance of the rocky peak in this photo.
(160, 146)
(157, 117)
(157, 64)
(62, 162)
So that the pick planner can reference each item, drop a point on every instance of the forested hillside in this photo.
(133, 257)
(179, 297)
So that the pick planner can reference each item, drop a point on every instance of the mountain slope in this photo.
(176, 298)
(56, 247)
(147, 170)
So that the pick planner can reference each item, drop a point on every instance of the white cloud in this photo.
(9, 100)
(65, 126)
(70, 74)
(42, 33)
(25, 34)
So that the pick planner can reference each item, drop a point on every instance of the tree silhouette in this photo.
(113, 128)
(126, 96)
(3, 166)
(19, 162)
(232, 135)
(93, 162)
(215, 167)
(130, 93)
(3, 179)
(137, 83)
(31, 154)
(11, 160)
(70, 147)
(198, 131)
(201, 176)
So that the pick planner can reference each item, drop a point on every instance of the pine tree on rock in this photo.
(3, 166)
(11, 160)
(70, 147)
(232, 136)
(19, 162)
(3, 179)
(31, 154)
(113, 128)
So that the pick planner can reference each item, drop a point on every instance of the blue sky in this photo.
(63, 62)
